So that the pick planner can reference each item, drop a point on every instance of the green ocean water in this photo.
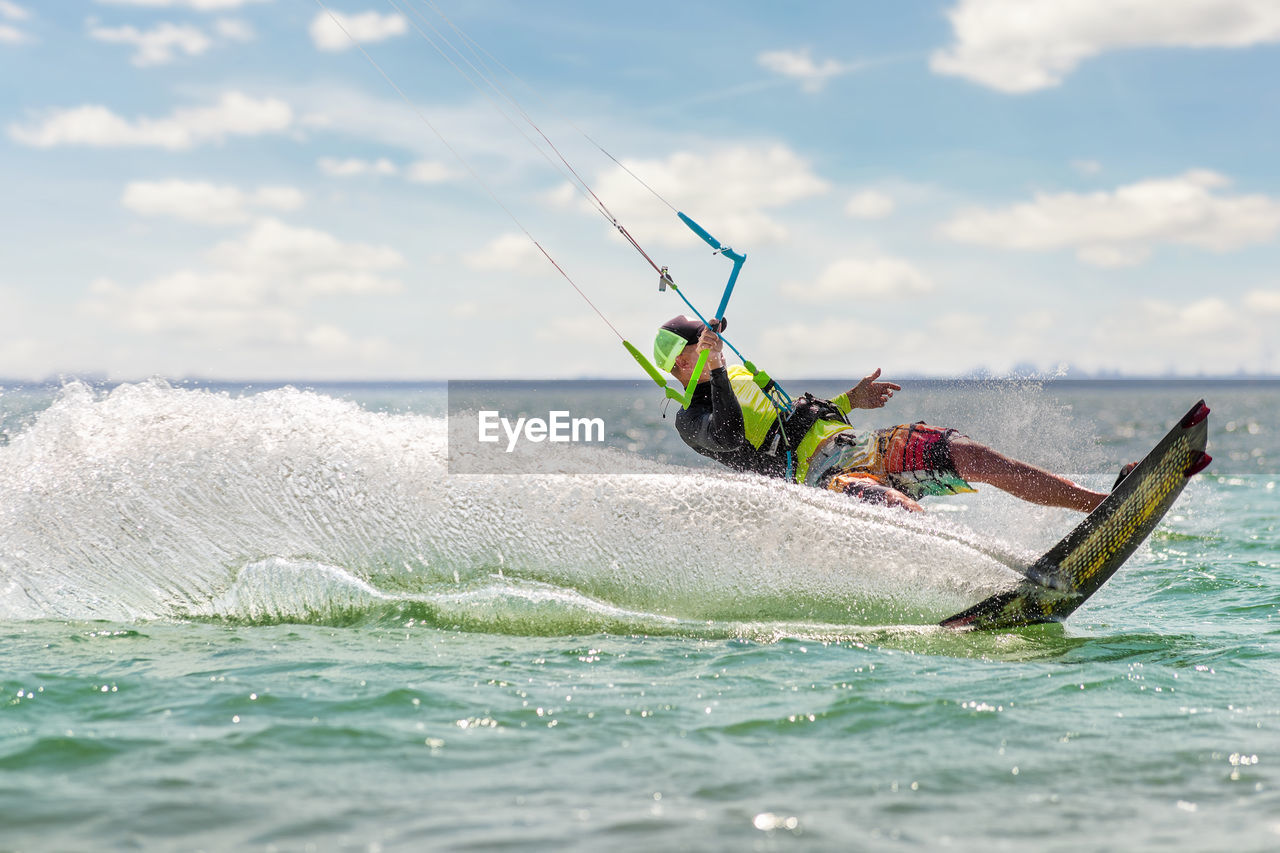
(270, 619)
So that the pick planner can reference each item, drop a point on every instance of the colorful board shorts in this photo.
(915, 459)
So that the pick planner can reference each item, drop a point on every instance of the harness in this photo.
(784, 443)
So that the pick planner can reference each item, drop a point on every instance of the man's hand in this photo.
(711, 342)
(875, 493)
(870, 394)
(865, 488)
(893, 497)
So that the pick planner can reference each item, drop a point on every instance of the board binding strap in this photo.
(1074, 569)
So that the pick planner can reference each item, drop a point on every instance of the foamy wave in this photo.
(153, 502)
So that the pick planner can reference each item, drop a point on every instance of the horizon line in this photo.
(91, 379)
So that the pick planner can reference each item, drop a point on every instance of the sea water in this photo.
(271, 619)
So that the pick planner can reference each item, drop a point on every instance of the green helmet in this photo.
(676, 334)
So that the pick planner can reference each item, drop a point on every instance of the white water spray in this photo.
(153, 502)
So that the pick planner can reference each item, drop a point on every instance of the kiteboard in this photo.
(1074, 569)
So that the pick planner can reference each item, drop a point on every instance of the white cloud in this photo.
(1220, 334)
(1120, 227)
(197, 5)
(1023, 45)
(226, 309)
(10, 34)
(256, 291)
(277, 198)
(430, 172)
(333, 35)
(850, 279)
(205, 203)
(869, 204)
(422, 171)
(1263, 301)
(512, 252)
(1191, 321)
(1113, 257)
(157, 46)
(584, 329)
(234, 29)
(799, 65)
(308, 260)
(235, 114)
(947, 344)
(210, 303)
(475, 128)
(352, 167)
(733, 188)
(327, 338)
(161, 44)
(824, 348)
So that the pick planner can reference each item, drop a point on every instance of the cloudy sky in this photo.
(231, 189)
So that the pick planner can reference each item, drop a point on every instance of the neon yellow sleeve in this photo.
(843, 403)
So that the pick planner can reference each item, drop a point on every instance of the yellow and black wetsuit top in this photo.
(731, 421)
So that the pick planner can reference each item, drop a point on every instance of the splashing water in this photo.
(154, 502)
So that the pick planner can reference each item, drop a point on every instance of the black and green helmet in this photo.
(676, 334)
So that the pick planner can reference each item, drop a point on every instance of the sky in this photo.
(251, 190)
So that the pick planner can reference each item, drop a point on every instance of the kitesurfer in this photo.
(731, 420)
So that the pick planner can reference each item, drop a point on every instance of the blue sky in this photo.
(228, 189)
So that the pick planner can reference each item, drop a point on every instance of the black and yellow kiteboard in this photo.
(1080, 564)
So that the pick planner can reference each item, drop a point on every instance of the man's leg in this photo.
(979, 463)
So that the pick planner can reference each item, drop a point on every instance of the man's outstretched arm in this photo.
(867, 394)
